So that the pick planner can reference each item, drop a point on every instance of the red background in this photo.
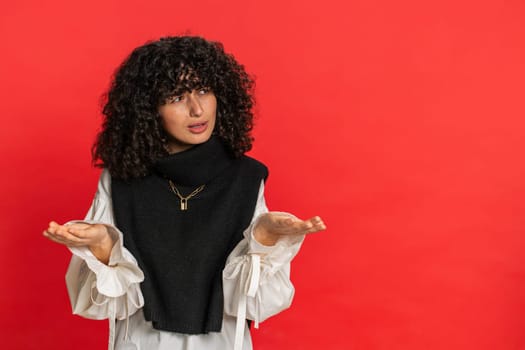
(399, 122)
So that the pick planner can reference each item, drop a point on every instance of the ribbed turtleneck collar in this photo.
(197, 165)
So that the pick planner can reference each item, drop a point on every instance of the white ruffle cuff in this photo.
(255, 272)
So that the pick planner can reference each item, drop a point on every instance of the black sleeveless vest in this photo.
(183, 253)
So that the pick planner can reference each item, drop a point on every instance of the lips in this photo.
(198, 128)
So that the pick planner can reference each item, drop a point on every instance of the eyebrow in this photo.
(179, 90)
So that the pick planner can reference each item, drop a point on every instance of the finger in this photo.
(79, 226)
(47, 233)
(51, 228)
(80, 230)
(81, 233)
(62, 231)
(64, 235)
(64, 242)
(86, 231)
(289, 226)
(305, 225)
(316, 228)
(54, 238)
(56, 228)
(312, 225)
(280, 223)
(59, 234)
(318, 222)
(53, 225)
(286, 225)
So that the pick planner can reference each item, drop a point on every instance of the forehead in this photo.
(187, 79)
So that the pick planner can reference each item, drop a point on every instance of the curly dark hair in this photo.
(132, 138)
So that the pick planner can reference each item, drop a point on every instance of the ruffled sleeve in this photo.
(100, 291)
(256, 278)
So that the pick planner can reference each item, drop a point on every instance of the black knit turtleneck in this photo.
(183, 253)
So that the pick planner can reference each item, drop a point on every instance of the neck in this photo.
(174, 146)
(196, 164)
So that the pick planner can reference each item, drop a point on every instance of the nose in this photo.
(194, 105)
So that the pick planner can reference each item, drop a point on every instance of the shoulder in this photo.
(104, 182)
(254, 167)
(105, 175)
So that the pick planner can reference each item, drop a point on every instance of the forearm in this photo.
(273, 291)
(102, 250)
(95, 288)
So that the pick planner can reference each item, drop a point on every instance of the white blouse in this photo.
(256, 285)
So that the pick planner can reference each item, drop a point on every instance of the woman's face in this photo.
(189, 119)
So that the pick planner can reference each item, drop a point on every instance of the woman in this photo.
(178, 248)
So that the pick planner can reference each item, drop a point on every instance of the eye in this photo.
(203, 90)
(174, 99)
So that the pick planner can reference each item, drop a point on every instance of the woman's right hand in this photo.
(94, 236)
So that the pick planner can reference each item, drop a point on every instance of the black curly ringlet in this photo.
(132, 137)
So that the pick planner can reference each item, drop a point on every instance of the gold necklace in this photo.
(184, 200)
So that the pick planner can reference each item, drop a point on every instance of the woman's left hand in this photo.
(272, 226)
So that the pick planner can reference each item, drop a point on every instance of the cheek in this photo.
(169, 116)
(214, 119)
(212, 107)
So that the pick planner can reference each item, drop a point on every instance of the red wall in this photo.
(400, 122)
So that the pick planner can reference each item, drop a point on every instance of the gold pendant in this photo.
(184, 200)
